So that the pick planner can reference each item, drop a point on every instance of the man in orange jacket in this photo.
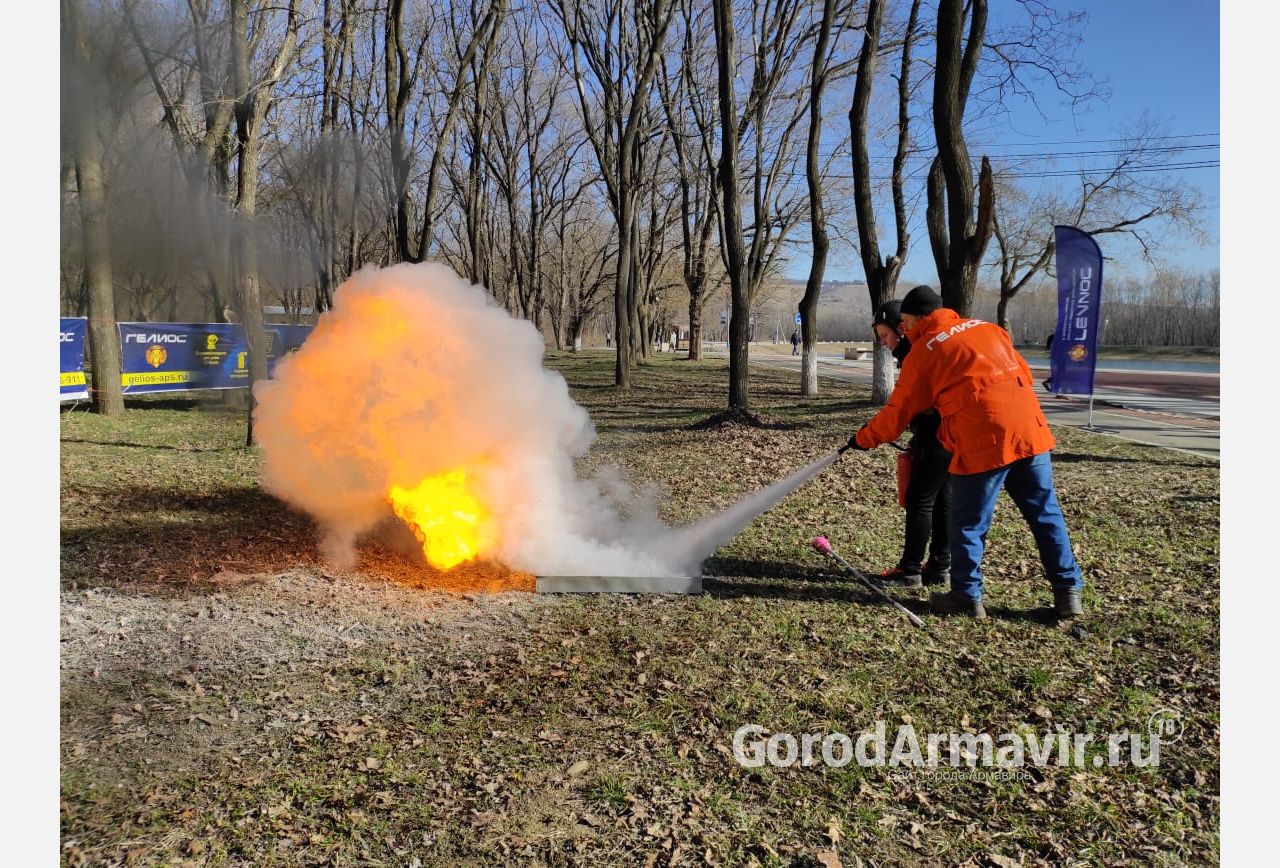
(998, 437)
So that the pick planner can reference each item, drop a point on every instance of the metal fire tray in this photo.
(619, 584)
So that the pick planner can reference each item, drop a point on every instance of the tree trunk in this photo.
(735, 255)
(620, 131)
(399, 82)
(882, 274)
(336, 63)
(622, 337)
(104, 337)
(473, 203)
(250, 109)
(634, 295)
(683, 102)
(817, 215)
(959, 253)
(695, 324)
(487, 30)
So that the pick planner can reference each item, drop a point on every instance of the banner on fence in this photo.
(1073, 356)
(71, 339)
(171, 357)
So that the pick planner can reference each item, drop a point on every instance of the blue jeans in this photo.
(1029, 482)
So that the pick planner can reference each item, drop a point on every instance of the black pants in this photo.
(928, 506)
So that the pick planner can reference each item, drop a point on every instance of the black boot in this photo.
(1067, 603)
(951, 603)
(932, 574)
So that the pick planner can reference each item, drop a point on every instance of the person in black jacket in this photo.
(928, 495)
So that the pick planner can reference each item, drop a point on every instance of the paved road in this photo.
(1178, 411)
(1175, 410)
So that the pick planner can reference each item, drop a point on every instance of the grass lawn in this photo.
(227, 698)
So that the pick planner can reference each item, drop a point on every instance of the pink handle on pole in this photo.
(821, 544)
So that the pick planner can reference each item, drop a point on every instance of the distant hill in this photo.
(848, 297)
(835, 292)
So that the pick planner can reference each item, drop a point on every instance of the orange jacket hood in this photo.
(981, 386)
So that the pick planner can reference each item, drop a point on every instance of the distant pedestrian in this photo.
(608, 339)
(795, 342)
(1048, 348)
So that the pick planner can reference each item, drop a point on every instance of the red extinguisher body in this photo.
(904, 476)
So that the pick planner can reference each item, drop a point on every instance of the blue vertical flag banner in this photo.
(178, 357)
(72, 333)
(1073, 356)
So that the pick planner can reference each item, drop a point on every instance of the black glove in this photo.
(853, 442)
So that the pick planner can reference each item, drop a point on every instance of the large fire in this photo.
(418, 379)
(445, 517)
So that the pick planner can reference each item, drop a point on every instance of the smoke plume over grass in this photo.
(416, 373)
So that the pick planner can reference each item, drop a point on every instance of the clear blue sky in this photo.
(1157, 56)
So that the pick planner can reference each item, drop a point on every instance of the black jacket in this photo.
(924, 427)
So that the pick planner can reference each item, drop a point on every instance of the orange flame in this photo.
(445, 517)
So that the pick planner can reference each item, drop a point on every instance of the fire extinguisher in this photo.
(904, 474)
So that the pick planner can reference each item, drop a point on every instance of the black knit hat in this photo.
(921, 301)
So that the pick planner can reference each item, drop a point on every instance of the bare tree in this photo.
(615, 51)
(957, 237)
(400, 68)
(82, 78)
(189, 69)
(882, 273)
(403, 65)
(828, 36)
(582, 267)
(474, 58)
(1173, 307)
(315, 195)
(731, 217)
(470, 176)
(338, 53)
(655, 269)
(1131, 198)
(526, 150)
(1023, 228)
(692, 118)
(775, 95)
(998, 65)
(253, 96)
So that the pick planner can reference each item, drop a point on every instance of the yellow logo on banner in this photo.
(156, 355)
(1077, 353)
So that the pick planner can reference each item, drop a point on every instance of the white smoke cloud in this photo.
(416, 372)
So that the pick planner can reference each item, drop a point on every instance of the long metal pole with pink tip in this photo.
(823, 546)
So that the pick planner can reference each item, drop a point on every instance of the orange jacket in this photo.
(981, 386)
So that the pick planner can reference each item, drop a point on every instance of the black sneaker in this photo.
(898, 578)
(936, 575)
(951, 603)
